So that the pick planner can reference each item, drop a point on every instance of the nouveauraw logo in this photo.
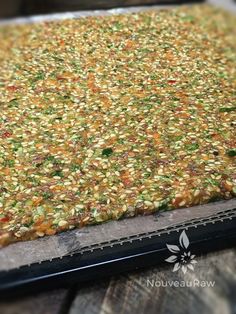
(182, 259)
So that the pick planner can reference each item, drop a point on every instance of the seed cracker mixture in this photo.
(107, 117)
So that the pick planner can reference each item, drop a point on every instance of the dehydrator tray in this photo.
(116, 246)
(92, 252)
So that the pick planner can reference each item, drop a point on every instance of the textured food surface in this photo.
(106, 117)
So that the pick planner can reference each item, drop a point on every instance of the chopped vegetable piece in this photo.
(231, 152)
(227, 109)
(107, 152)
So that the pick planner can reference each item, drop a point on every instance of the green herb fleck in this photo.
(192, 147)
(9, 163)
(47, 195)
(13, 103)
(226, 109)
(57, 173)
(212, 182)
(231, 152)
(107, 152)
(74, 167)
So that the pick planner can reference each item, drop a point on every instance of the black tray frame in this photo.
(108, 258)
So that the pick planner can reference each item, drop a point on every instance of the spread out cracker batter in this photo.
(110, 117)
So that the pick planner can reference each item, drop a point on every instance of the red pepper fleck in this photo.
(60, 78)
(12, 88)
(172, 81)
(4, 219)
(6, 134)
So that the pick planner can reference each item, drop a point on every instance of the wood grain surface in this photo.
(130, 293)
(45, 303)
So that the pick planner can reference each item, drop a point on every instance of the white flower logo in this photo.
(183, 258)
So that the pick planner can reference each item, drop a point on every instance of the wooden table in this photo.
(133, 293)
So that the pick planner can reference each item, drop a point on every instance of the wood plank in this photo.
(44, 303)
(130, 293)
